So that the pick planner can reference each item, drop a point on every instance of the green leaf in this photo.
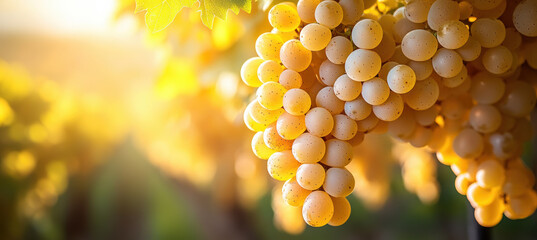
(219, 8)
(161, 13)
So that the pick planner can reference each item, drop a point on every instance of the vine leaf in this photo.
(161, 13)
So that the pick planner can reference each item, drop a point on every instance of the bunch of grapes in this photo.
(454, 77)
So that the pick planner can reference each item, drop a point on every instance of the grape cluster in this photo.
(454, 77)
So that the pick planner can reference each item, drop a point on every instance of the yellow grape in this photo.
(491, 214)
(442, 11)
(453, 34)
(263, 115)
(352, 11)
(259, 147)
(494, 12)
(525, 17)
(516, 181)
(465, 10)
(293, 194)
(358, 109)
(462, 182)
(513, 39)
(329, 13)
(308, 148)
(282, 166)
(284, 17)
(386, 47)
(338, 182)
(295, 56)
(485, 118)
(518, 100)
(310, 176)
(315, 37)
(479, 196)
(249, 72)
(338, 153)
(269, 71)
(486, 88)
(318, 209)
(290, 79)
(296, 101)
(362, 64)
(490, 174)
(268, 46)
(401, 79)
(367, 124)
(319, 122)
(251, 123)
(290, 126)
(344, 127)
(456, 81)
(447, 63)
(422, 69)
(274, 141)
(488, 32)
(485, 4)
(386, 67)
(470, 50)
(367, 34)
(329, 72)
(419, 45)
(306, 10)
(375, 91)
(338, 49)
(270, 95)
(327, 99)
(468, 144)
(427, 116)
(391, 109)
(404, 126)
(347, 89)
(342, 211)
(521, 206)
(498, 60)
(417, 10)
